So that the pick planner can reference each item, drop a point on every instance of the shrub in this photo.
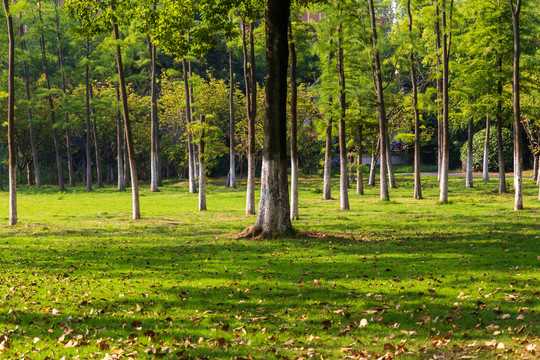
(493, 159)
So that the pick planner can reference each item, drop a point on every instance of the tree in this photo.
(294, 126)
(273, 216)
(518, 147)
(10, 117)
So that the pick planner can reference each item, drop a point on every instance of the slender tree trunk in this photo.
(518, 147)
(446, 42)
(390, 167)
(343, 160)
(28, 174)
(385, 195)
(294, 125)
(500, 150)
(202, 168)
(535, 166)
(51, 109)
(191, 158)
(99, 174)
(232, 165)
(273, 215)
(360, 166)
(127, 124)
(119, 147)
(417, 180)
(88, 96)
(439, 92)
(35, 157)
(154, 146)
(64, 89)
(327, 177)
(374, 158)
(485, 163)
(469, 172)
(10, 118)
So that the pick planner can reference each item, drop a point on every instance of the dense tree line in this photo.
(122, 91)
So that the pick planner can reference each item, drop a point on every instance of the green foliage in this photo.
(493, 159)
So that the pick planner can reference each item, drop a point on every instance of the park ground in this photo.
(406, 279)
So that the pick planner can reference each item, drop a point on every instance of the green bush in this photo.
(493, 159)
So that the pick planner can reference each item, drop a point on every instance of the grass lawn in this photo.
(406, 278)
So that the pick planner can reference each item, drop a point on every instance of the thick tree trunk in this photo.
(360, 166)
(518, 147)
(10, 118)
(154, 127)
(232, 165)
(294, 125)
(273, 215)
(191, 158)
(51, 110)
(64, 89)
(385, 195)
(202, 168)
(374, 158)
(500, 150)
(443, 198)
(417, 180)
(343, 160)
(469, 172)
(127, 124)
(88, 96)
(119, 147)
(33, 146)
(485, 163)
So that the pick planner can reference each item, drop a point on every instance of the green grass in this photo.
(79, 279)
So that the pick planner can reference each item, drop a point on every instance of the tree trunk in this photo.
(500, 150)
(35, 157)
(88, 96)
(443, 198)
(374, 158)
(232, 165)
(485, 163)
(119, 147)
(273, 216)
(127, 124)
(469, 172)
(10, 118)
(343, 160)
(518, 147)
(51, 109)
(417, 180)
(327, 177)
(191, 158)
(127, 171)
(360, 166)
(154, 127)
(202, 169)
(294, 125)
(390, 167)
(535, 166)
(385, 195)
(99, 173)
(439, 92)
(64, 89)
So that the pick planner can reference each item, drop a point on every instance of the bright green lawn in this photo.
(79, 279)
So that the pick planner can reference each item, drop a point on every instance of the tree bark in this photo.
(232, 165)
(127, 124)
(154, 120)
(374, 158)
(343, 160)
(294, 126)
(518, 147)
(389, 166)
(417, 181)
(191, 157)
(273, 215)
(10, 118)
(51, 108)
(99, 173)
(385, 195)
(64, 89)
(119, 147)
(535, 166)
(469, 172)
(439, 91)
(327, 177)
(446, 42)
(35, 156)
(88, 91)
(500, 150)
(360, 166)
(485, 163)
(202, 168)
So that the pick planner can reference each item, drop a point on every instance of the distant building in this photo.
(307, 17)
